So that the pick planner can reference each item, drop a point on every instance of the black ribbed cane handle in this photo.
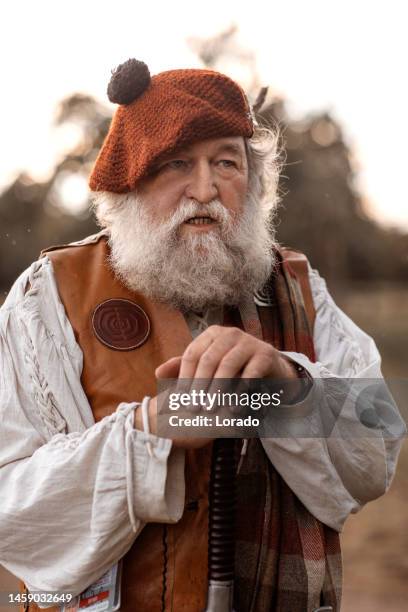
(221, 534)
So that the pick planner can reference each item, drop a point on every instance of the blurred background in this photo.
(336, 91)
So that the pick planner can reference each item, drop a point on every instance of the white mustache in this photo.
(191, 208)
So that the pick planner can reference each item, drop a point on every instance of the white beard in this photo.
(196, 271)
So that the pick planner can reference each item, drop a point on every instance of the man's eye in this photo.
(227, 163)
(176, 164)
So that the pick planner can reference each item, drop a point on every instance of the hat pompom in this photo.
(128, 82)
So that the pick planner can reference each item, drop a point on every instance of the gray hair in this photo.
(265, 159)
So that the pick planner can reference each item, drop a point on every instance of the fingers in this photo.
(202, 357)
(169, 369)
(222, 352)
(259, 366)
(230, 342)
(192, 355)
(234, 361)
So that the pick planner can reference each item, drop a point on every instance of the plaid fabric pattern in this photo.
(286, 560)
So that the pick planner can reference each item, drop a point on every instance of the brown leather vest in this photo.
(84, 280)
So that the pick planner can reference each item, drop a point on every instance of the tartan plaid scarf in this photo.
(286, 560)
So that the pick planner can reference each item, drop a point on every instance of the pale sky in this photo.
(342, 55)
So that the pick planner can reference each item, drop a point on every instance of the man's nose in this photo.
(202, 185)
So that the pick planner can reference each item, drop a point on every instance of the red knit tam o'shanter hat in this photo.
(160, 114)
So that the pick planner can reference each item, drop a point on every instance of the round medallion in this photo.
(120, 324)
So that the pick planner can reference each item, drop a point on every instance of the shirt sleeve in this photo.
(74, 493)
(325, 447)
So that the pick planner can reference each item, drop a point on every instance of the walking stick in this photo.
(221, 536)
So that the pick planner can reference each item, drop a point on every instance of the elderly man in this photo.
(185, 281)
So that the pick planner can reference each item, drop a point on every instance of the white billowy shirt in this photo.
(75, 494)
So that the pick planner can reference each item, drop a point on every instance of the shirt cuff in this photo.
(305, 406)
(158, 479)
(155, 476)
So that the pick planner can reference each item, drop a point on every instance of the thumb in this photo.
(169, 369)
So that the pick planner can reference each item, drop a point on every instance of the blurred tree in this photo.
(321, 212)
(35, 215)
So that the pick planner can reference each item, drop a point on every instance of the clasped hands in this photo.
(221, 352)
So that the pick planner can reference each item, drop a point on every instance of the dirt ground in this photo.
(375, 541)
(375, 547)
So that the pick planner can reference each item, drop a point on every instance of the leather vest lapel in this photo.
(85, 280)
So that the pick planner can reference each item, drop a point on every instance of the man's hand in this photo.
(227, 352)
(221, 352)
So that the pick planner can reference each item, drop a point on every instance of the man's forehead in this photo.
(231, 144)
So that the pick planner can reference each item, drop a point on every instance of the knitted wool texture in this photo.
(178, 108)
